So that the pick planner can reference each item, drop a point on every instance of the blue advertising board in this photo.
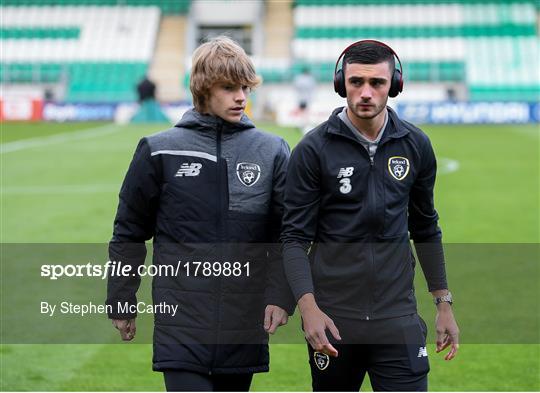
(420, 113)
(78, 112)
(470, 112)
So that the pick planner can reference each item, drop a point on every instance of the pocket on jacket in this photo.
(394, 272)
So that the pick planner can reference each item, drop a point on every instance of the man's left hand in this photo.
(274, 316)
(447, 330)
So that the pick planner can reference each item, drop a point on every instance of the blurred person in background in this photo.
(305, 86)
(357, 185)
(211, 183)
(149, 110)
(146, 90)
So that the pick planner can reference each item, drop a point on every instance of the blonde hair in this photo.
(220, 60)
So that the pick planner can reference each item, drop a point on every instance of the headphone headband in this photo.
(396, 83)
(367, 41)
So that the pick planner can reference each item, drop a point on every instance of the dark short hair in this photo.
(369, 53)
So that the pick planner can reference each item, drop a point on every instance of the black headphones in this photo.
(396, 85)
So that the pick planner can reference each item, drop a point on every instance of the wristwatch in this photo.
(443, 299)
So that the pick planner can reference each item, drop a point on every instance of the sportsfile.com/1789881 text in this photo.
(120, 269)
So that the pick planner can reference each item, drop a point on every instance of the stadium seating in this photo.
(99, 49)
(471, 42)
(166, 6)
(98, 52)
(40, 33)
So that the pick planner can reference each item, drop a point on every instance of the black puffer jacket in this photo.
(205, 190)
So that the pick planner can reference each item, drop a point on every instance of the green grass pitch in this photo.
(59, 184)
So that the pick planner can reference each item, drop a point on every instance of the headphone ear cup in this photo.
(396, 86)
(339, 83)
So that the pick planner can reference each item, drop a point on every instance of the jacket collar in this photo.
(394, 129)
(208, 123)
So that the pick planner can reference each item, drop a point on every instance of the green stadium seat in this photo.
(15, 33)
(166, 6)
(504, 93)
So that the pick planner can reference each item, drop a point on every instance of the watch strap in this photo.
(444, 299)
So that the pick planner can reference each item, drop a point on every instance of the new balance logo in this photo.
(422, 352)
(189, 170)
(345, 172)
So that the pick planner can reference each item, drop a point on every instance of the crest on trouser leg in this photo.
(321, 360)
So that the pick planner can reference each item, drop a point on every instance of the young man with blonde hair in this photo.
(208, 189)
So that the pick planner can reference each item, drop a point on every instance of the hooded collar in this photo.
(209, 123)
(394, 129)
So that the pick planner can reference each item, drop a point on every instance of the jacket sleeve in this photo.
(278, 291)
(423, 222)
(302, 197)
(133, 225)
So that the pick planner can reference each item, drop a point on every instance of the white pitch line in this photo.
(87, 133)
(533, 133)
(61, 189)
(447, 165)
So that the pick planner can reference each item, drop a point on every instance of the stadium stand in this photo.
(100, 52)
(166, 6)
(99, 49)
(471, 42)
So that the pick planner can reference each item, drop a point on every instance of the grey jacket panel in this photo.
(244, 147)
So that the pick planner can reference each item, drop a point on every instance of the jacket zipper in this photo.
(219, 231)
(371, 239)
(219, 182)
(373, 211)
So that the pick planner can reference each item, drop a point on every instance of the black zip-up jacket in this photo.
(353, 217)
(205, 190)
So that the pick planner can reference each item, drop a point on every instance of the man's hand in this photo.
(126, 327)
(274, 316)
(315, 324)
(447, 330)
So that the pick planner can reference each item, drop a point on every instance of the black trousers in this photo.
(392, 352)
(189, 381)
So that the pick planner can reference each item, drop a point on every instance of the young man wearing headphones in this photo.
(357, 185)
